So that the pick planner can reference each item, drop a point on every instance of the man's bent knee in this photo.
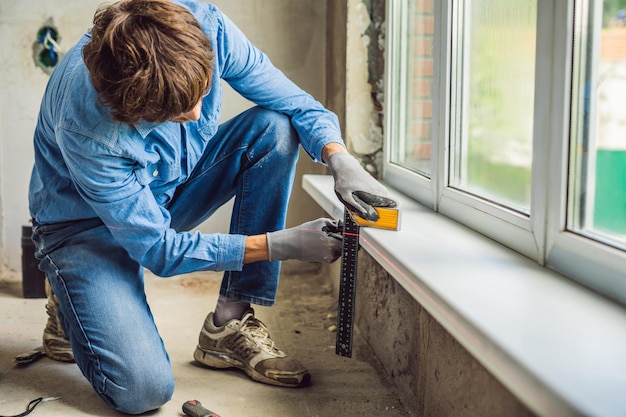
(280, 133)
(140, 393)
(277, 123)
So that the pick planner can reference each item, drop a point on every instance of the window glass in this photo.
(493, 84)
(504, 71)
(414, 150)
(597, 175)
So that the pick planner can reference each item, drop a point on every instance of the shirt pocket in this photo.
(159, 175)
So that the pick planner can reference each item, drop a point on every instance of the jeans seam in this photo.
(70, 303)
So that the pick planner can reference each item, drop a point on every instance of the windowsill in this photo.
(560, 348)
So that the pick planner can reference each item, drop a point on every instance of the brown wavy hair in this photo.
(148, 59)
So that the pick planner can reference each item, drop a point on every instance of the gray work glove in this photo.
(356, 188)
(315, 241)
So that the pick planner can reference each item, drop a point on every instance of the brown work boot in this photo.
(246, 344)
(55, 342)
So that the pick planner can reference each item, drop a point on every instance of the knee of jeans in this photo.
(279, 125)
(145, 391)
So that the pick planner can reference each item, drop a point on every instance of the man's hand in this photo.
(315, 241)
(356, 188)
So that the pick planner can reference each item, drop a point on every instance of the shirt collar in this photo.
(144, 127)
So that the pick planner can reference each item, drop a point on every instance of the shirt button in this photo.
(155, 173)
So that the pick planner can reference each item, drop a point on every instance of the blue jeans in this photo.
(102, 303)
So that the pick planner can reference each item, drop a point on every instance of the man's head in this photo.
(148, 59)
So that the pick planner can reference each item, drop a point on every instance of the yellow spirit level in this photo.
(389, 219)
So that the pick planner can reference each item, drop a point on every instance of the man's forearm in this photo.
(331, 148)
(256, 249)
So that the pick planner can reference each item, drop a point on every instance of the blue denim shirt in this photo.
(88, 166)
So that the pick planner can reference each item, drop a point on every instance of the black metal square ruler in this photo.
(347, 286)
(389, 219)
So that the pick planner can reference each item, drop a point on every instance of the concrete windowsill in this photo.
(561, 349)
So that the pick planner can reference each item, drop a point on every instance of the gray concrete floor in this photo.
(298, 322)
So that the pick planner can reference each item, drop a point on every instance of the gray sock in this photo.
(228, 309)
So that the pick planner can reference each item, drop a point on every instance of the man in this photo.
(129, 157)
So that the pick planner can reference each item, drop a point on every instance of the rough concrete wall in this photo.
(433, 373)
(364, 82)
(336, 22)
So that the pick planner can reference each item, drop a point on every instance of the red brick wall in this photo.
(420, 117)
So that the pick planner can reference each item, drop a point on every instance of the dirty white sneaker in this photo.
(246, 344)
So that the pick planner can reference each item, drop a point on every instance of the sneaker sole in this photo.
(218, 360)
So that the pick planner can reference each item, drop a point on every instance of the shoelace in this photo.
(257, 330)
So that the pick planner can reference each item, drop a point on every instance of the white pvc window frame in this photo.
(542, 233)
